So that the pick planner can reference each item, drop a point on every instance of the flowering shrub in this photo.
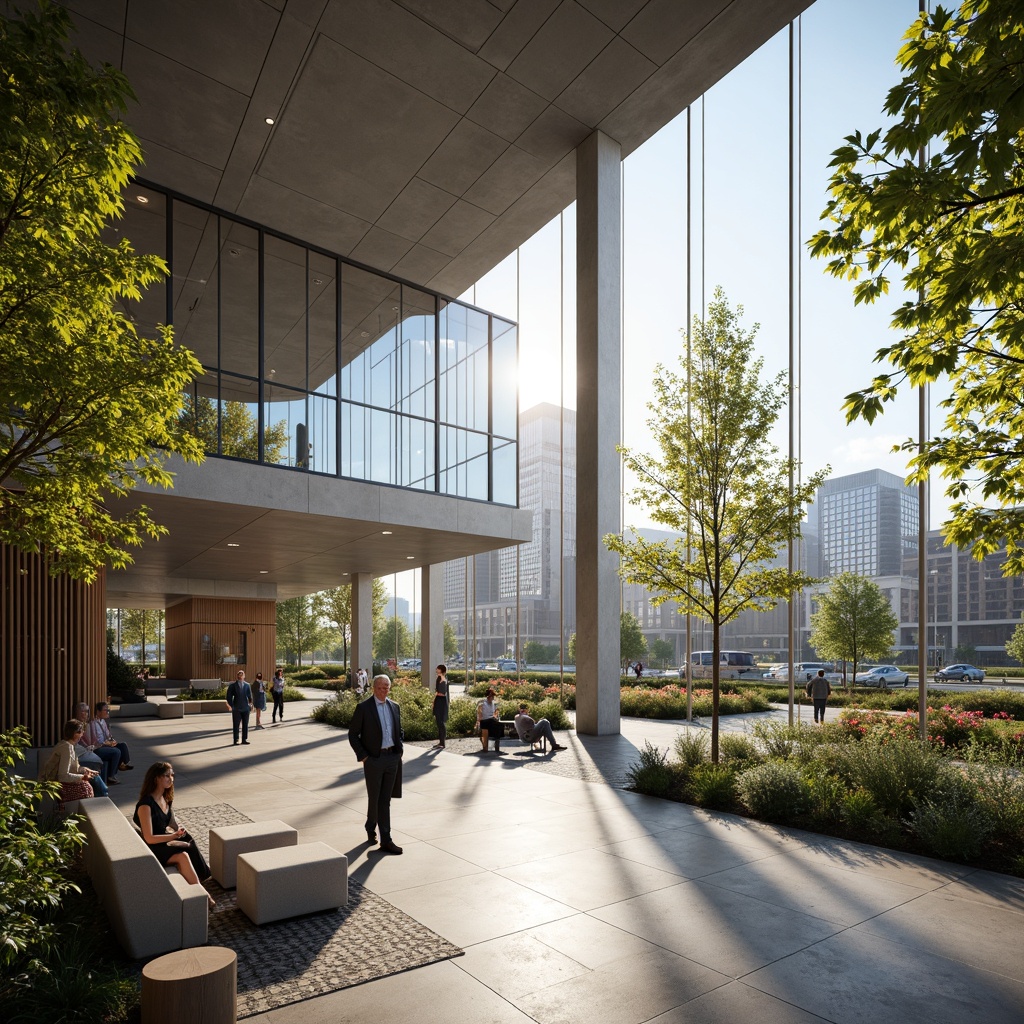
(948, 727)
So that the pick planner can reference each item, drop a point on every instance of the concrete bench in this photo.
(172, 709)
(291, 880)
(151, 910)
(227, 842)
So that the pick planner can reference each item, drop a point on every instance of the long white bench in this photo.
(151, 910)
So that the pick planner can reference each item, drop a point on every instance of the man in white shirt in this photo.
(376, 736)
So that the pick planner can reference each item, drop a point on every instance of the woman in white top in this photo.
(487, 717)
(76, 781)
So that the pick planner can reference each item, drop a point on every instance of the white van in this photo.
(731, 665)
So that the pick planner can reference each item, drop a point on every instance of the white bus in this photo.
(731, 665)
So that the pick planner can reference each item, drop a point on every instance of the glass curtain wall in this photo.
(725, 195)
(313, 364)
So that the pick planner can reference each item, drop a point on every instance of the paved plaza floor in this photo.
(577, 901)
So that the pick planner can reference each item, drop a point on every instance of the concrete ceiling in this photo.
(424, 138)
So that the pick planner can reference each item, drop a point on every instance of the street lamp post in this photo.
(934, 573)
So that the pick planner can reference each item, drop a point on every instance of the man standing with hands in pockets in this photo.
(376, 737)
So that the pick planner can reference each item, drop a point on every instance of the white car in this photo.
(883, 676)
(805, 670)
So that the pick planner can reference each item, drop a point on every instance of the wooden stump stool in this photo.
(196, 985)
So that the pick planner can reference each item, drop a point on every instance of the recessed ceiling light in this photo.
(344, 574)
(234, 252)
(387, 533)
(230, 545)
(364, 334)
(263, 572)
(269, 120)
(394, 309)
(142, 199)
(316, 280)
(409, 558)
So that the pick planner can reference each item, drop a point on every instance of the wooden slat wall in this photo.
(52, 645)
(221, 619)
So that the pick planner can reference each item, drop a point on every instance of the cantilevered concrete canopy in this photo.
(426, 138)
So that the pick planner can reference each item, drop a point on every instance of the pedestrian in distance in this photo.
(259, 698)
(819, 689)
(440, 707)
(277, 694)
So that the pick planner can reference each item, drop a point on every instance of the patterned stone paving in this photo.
(288, 961)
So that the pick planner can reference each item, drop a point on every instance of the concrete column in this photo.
(362, 622)
(431, 621)
(598, 413)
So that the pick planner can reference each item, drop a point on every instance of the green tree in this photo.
(301, 626)
(949, 226)
(239, 430)
(854, 620)
(392, 640)
(571, 654)
(632, 643)
(87, 406)
(337, 610)
(451, 641)
(719, 482)
(663, 651)
(141, 626)
(1015, 645)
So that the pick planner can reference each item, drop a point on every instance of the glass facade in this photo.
(314, 364)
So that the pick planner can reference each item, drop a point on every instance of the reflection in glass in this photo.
(285, 430)
(463, 359)
(323, 450)
(194, 282)
(145, 225)
(240, 298)
(199, 415)
(284, 318)
(505, 358)
(505, 466)
(323, 324)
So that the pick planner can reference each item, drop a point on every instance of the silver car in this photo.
(966, 673)
(883, 676)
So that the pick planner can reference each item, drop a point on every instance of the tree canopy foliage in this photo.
(301, 625)
(718, 482)
(392, 640)
(632, 643)
(854, 621)
(87, 406)
(239, 430)
(337, 610)
(949, 226)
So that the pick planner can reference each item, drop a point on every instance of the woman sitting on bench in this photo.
(168, 840)
(487, 718)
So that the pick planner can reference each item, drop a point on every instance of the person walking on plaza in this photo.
(239, 699)
(441, 705)
(277, 694)
(97, 734)
(819, 689)
(259, 698)
(376, 736)
(533, 732)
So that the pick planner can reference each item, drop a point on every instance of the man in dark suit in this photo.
(239, 699)
(376, 737)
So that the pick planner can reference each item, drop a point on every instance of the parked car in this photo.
(804, 670)
(506, 665)
(883, 676)
(966, 673)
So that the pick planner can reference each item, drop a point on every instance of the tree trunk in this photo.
(716, 643)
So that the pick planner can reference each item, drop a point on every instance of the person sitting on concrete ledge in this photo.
(487, 719)
(533, 732)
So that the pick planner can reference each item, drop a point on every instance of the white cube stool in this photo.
(286, 882)
(228, 841)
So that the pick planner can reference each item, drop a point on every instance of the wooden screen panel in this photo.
(52, 645)
(204, 638)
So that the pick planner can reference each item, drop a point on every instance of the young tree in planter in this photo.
(948, 228)
(854, 620)
(87, 406)
(392, 640)
(662, 651)
(717, 480)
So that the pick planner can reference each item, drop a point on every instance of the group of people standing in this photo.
(243, 698)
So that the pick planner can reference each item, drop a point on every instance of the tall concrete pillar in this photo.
(362, 622)
(598, 414)
(431, 621)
